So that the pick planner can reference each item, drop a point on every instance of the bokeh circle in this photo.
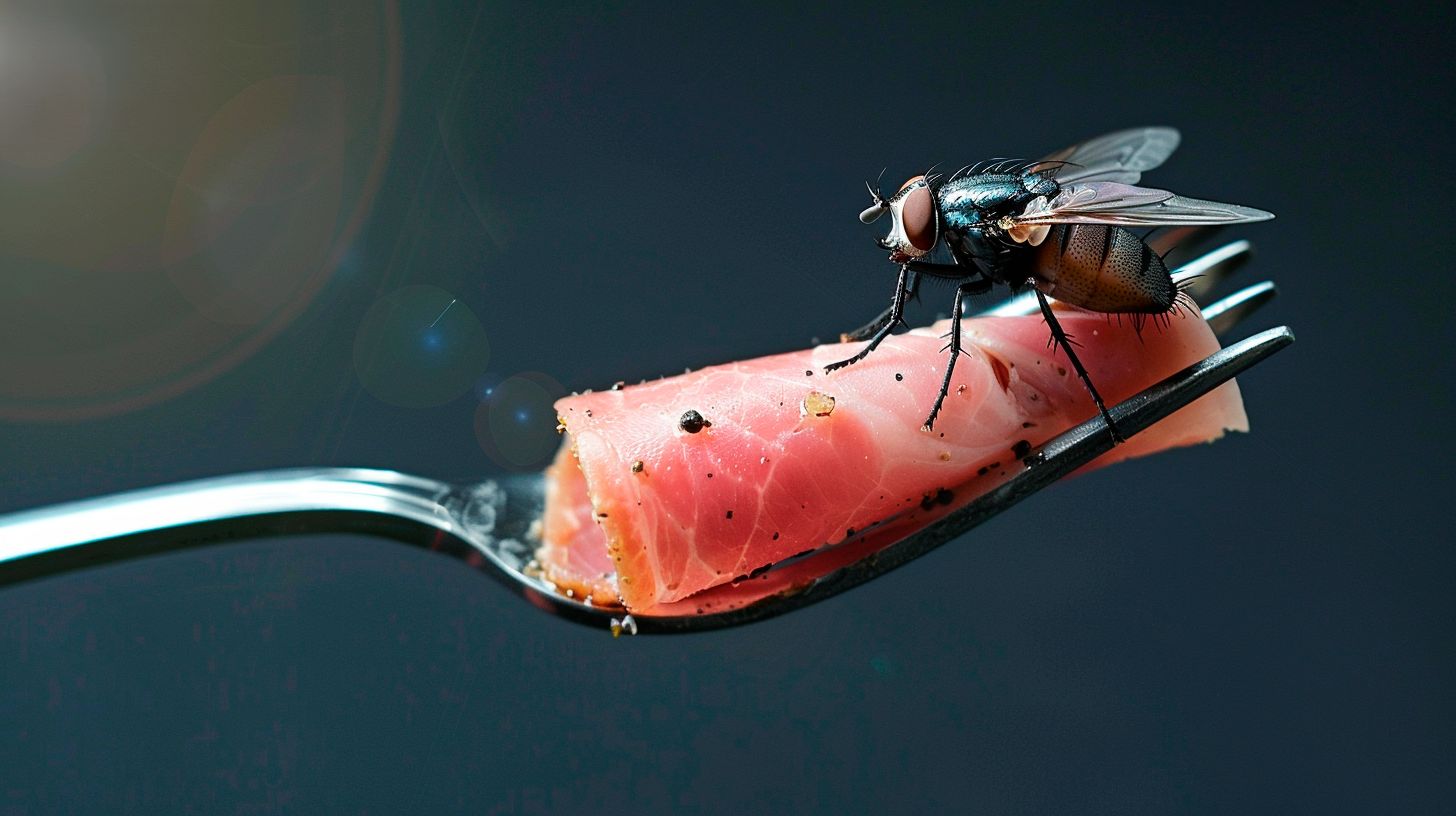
(515, 423)
(419, 347)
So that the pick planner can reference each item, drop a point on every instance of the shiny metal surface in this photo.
(489, 524)
(1228, 312)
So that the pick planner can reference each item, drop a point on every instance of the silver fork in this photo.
(489, 524)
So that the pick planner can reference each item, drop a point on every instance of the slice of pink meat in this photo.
(643, 511)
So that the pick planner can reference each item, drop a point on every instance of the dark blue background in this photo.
(1265, 624)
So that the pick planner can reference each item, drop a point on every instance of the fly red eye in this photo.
(918, 215)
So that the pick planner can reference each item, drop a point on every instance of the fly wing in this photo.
(1108, 202)
(1121, 157)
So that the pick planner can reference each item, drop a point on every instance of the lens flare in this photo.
(178, 188)
(52, 91)
(419, 347)
(515, 423)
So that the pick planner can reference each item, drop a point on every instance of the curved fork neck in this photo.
(213, 506)
(469, 522)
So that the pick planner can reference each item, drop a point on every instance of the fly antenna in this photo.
(875, 210)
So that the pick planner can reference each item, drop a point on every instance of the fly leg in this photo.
(1060, 337)
(897, 309)
(917, 268)
(970, 287)
(868, 330)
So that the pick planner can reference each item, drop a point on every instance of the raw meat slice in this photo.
(790, 459)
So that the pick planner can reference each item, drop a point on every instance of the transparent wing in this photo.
(1108, 202)
(1121, 157)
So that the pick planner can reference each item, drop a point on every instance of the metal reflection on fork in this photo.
(489, 524)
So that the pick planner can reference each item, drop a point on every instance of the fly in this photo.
(1057, 225)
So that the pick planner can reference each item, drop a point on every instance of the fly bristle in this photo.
(1044, 168)
(1138, 321)
(1133, 318)
(1164, 320)
(1183, 302)
(1050, 166)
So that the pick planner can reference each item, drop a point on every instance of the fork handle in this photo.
(92, 531)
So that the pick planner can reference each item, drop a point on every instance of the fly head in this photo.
(914, 225)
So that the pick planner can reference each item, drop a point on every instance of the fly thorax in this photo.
(1039, 185)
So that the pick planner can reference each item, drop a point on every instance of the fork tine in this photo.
(1198, 277)
(1234, 309)
(1188, 238)
(1091, 439)
(1021, 305)
(1065, 453)
(1210, 269)
(1045, 465)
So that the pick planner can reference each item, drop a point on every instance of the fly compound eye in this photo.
(917, 214)
(912, 221)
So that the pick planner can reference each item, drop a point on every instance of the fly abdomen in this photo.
(1105, 269)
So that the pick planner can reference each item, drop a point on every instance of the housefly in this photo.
(1058, 225)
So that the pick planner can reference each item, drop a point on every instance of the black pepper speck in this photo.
(692, 421)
